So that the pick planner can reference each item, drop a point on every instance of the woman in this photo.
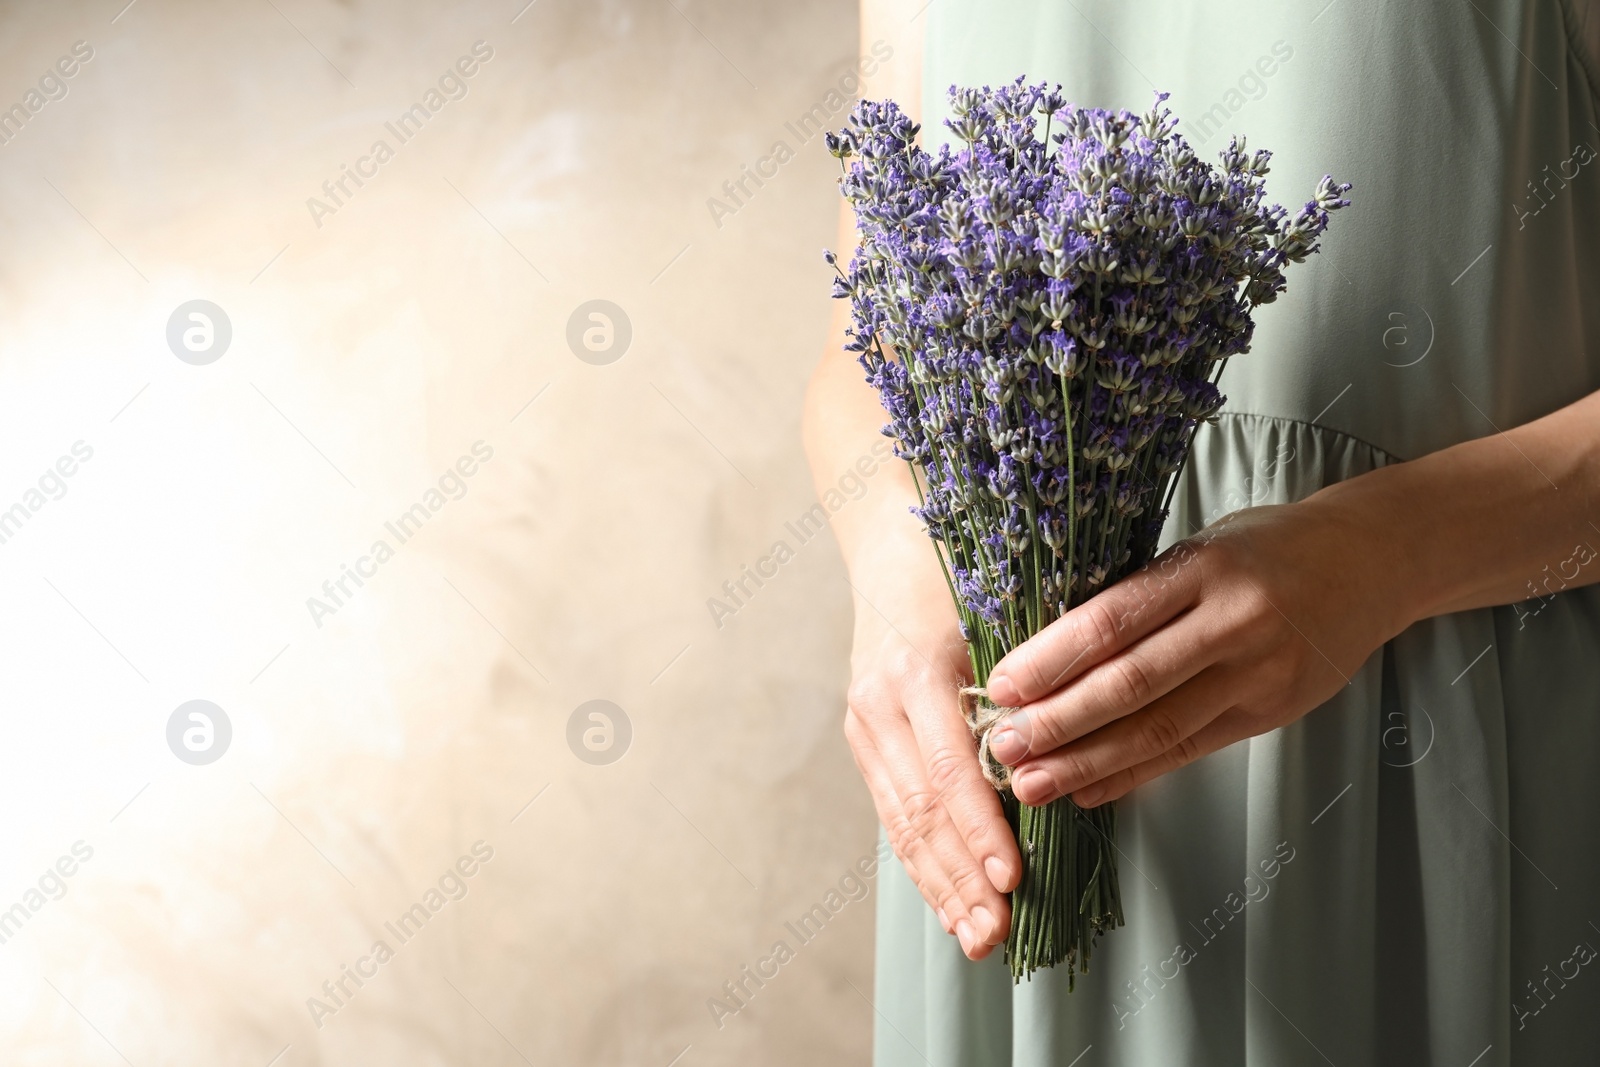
(1354, 742)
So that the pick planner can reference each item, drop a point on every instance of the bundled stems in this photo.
(1068, 894)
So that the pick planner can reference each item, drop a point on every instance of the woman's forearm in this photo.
(1487, 522)
(842, 423)
(843, 419)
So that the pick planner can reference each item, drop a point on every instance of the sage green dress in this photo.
(1409, 875)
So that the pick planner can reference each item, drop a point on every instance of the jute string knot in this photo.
(981, 716)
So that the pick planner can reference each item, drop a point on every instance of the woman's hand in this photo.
(1239, 630)
(905, 728)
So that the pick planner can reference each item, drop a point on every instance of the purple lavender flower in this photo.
(1044, 310)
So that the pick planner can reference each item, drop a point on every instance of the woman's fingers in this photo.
(953, 771)
(921, 829)
(1116, 687)
(870, 763)
(929, 834)
(1166, 728)
(1096, 630)
(1226, 729)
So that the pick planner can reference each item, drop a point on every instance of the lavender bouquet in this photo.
(1045, 316)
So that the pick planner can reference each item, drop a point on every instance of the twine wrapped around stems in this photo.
(982, 716)
(1069, 894)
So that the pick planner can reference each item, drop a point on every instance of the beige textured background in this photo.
(367, 355)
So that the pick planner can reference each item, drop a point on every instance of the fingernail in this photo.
(1089, 796)
(964, 935)
(1032, 782)
(944, 920)
(1003, 692)
(1006, 743)
(999, 874)
(985, 920)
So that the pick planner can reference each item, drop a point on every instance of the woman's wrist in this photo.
(1379, 523)
(1470, 525)
(899, 587)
